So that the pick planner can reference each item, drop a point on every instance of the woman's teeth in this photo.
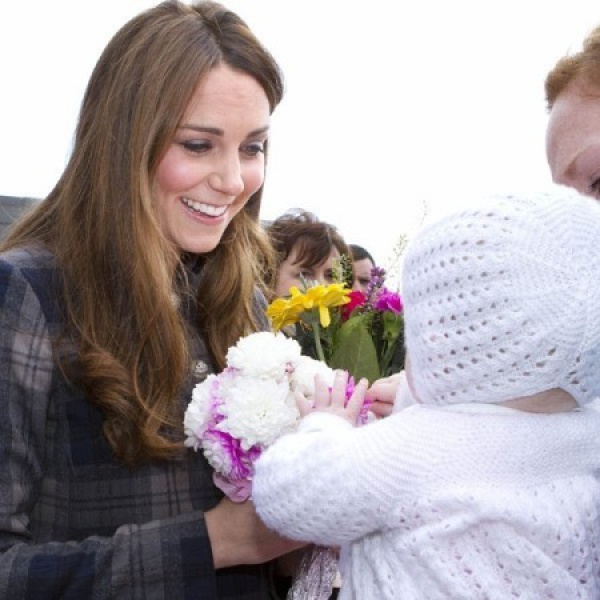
(207, 209)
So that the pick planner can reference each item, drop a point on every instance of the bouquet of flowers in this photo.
(362, 333)
(235, 415)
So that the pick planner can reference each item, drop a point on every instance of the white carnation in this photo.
(257, 411)
(198, 414)
(264, 354)
(303, 377)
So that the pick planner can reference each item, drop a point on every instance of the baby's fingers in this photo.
(303, 403)
(322, 394)
(338, 391)
(356, 400)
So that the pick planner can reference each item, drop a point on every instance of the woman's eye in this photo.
(254, 148)
(196, 146)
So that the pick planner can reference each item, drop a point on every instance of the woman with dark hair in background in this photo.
(306, 247)
(363, 264)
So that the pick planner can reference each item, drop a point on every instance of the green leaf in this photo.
(392, 325)
(392, 360)
(354, 350)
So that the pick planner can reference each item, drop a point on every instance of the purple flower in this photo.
(374, 285)
(238, 490)
(225, 453)
(388, 301)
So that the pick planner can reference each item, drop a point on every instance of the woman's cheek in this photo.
(254, 178)
(176, 174)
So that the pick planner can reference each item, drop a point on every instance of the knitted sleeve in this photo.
(330, 483)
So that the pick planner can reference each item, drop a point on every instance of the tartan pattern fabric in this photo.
(74, 522)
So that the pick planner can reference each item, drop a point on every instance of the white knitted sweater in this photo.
(432, 503)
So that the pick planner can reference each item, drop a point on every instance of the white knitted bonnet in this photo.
(503, 300)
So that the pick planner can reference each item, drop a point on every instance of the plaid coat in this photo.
(74, 522)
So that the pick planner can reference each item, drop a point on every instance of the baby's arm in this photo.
(330, 482)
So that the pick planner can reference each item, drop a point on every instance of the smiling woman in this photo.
(216, 161)
(122, 289)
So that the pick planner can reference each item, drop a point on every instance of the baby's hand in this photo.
(334, 401)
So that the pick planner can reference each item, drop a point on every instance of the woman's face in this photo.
(573, 140)
(215, 162)
(289, 272)
(362, 274)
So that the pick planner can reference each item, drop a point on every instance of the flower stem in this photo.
(316, 334)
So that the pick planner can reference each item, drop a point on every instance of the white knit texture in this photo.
(503, 300)
(433, 504)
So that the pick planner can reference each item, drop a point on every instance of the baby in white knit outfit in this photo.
(483, 483)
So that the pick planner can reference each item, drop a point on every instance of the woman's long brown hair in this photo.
(118, 271)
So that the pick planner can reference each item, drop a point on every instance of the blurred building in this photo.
(11, 208)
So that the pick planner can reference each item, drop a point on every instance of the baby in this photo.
(483, 482)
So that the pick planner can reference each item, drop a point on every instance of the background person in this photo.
(305, 247)
(485, 484)
(572, 90)
(120, 291)
(363, 264)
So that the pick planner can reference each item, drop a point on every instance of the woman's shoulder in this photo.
(29, 268)
(26, 258)
(259, 309)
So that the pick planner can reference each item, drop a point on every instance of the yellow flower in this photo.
(283, 313)
(287, 311)
(324, 297)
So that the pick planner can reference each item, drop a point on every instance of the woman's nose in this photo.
(227, 176)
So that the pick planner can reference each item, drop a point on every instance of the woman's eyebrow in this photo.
(220, 132)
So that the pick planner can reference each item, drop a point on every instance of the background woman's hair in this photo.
(583, 66)
(118, 270)
(360, 253)
(313, 240)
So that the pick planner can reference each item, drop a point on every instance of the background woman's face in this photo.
(215, 162)
(289, 272)
(573, 140)
(362, 274)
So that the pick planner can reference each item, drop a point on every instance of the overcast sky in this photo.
(393, 108)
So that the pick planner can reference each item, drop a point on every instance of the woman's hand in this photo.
(239, 537)
(334, 402)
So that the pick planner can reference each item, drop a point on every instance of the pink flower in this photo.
(225, 453)
(238, 490)
(388, 301)
(357, 299)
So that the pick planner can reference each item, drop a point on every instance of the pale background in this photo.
(395, 111)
